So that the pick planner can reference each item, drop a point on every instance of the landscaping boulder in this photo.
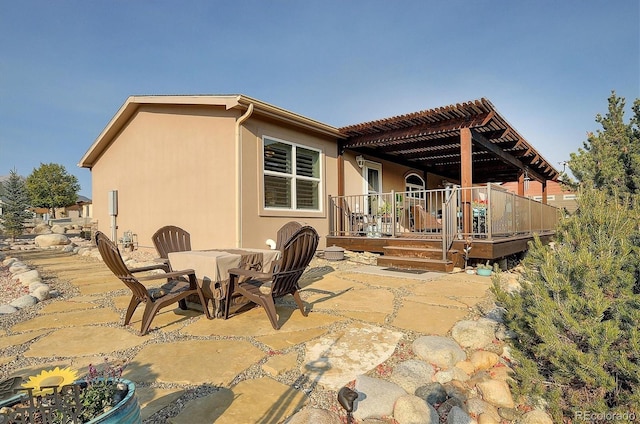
(48, 240)
(439, 351)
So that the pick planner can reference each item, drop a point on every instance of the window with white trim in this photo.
(569, 197)
(414, 185)
(292, 176)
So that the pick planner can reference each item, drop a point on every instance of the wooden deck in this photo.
(425, 252)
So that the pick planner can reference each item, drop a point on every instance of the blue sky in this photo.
(547, 66)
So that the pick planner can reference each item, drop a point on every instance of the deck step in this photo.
(404, 262)
(417, 252)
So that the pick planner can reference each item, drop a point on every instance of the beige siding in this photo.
(170, 166)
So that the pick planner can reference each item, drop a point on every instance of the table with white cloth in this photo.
(212, 267)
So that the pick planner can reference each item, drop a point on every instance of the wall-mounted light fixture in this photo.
(526, 179)
(360, 161)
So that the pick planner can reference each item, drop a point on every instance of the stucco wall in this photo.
(393, 175)
(169, 166)
(176, 165)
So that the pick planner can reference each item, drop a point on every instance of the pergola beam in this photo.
(505, 157)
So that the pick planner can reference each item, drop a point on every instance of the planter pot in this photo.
(127, 411)
(484, 272)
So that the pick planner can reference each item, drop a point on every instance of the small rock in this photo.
(28, 277)
(454, 373)
(41, 293)
(432, 393)
(497, 393)
(24, 301)
(466, 366)
(18, 267)
(483, 360)
(58, 229)
(448, 405)
(474, 334)
(440, 351)
(9, 261)
(477, 407)
(458, 416)
(412, 374)
(410, 409)
(496, 314)
(376, 397)
(487, 419)
(7, 309)
(314, 415)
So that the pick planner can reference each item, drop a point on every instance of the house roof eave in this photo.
(235, 101)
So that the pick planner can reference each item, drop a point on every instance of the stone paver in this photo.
(254, 323)
(19, 339)
(83, 341)
(340, 356)
(68, 319)
(152, 399)
(428, 319)
(279, 364)
(262, 400)
(66, 306)
(215, 362)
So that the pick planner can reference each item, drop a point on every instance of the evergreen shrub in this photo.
(577, 319)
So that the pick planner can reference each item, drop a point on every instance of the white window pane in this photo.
(307, 163)
(277, 157)
(277, 192)
(307, 194)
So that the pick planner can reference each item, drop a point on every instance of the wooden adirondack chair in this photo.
(264, 288)
(172, 291)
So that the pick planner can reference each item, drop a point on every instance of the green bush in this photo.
(577, 319)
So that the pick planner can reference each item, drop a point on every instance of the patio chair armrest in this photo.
(241, 272)
(167, 275)
(163, 267)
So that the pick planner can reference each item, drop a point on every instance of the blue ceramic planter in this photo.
(127, 411)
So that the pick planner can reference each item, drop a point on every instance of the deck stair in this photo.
(418, 257)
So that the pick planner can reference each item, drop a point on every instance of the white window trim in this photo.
(569, 197)
(293, 177)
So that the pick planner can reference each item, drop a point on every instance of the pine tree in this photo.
(576, 320)
(15, 204)
(610, 159)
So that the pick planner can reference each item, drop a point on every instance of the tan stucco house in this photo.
(231, 170)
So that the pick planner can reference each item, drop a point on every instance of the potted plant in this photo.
(484, 269)
(103, 396)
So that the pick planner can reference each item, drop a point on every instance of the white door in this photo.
(372, 173)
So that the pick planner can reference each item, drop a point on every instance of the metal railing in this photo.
(483, 212)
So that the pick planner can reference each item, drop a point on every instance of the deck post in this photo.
(488, 218)
(466, 179)
(393, 213)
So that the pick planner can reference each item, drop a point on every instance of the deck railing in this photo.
(483, 212)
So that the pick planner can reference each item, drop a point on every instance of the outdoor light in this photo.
(526, 179)
(360, 161)
(346, 397)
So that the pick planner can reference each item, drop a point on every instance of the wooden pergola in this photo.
(469, 142)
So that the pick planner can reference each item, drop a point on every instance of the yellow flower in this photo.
(48, 378)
